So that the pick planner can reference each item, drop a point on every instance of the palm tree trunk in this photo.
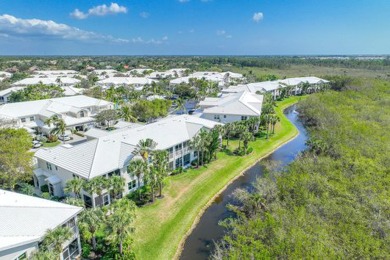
(197, 163)
(94, 242)
(160, 187)
(121, 247)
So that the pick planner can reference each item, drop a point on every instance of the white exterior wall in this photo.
(15, 252)
(223, 118)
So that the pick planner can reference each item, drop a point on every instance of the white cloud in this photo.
(100, 10)
(223, 33)
(184, 1)
(140, 40)
(144, 14)
(14, 26)
(257, 17)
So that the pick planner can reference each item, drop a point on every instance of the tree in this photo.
(196, 144)
(90, 222)
(59, 125)
(246, 137)
(43, 255)
(55, 238)
(137, 167)
(75, 186)
(273, 121)
(106, 117)
(144, 147)
(180, 105)
(214, 142)
(127, 114)
(97, 185)
(116, 184)
(36, 92)
(204, 142)
(160, 163)
(120, 223)
(230, 129)
(15, 157)
(152, 179)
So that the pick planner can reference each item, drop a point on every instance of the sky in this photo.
(194, 27)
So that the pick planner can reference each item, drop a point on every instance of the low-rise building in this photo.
(6, 93)
(77, 111)
(232, 107)
(109, 153)
(24, 221)
(136, 82)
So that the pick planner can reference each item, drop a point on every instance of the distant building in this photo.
(224, 79)
(76, 111)
(136, 82)
(6, 93)
(232, 107)
(24, 221)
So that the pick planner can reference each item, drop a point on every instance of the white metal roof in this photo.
(48, 107)
(125, 81)
(46, 81)
(113, 150)
(25, 219)
(8, 91)
(242, 103)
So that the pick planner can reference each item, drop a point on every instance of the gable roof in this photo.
(113, 150)
(25, 219)
(242, 103)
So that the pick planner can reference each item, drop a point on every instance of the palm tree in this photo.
(116, 185)
(204, 142)
(246, 137)
(180, 104)
(90, 221)
(75, 202)
(240, 129)
(273, 120)
(43, 255)
(120, 222)
(160, 163)
(152, 179)
(126, 113)
(195, 144)
(75, 186)
(59, 125)
(137, 167)
(55, 238)
(144, 147)
(230, 128)
(97, 185)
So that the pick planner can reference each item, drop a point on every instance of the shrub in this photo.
(250, 150)
(42, 139)
(45, 188)
(52, 139)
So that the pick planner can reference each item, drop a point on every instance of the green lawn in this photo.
(51, 144)
(161, 227)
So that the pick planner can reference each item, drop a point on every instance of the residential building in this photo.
(53, 81)
(6, 93)
(109, 153)
(4, 75)
(24, 221)
(274, 87)
(136, 82)
(224, 79)
(232, 107)
(77, 111)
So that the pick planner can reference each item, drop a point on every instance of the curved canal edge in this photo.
(212, 200)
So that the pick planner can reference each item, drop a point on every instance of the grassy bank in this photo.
(162, 226)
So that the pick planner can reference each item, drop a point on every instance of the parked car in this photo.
(36, 144)
(64, 137)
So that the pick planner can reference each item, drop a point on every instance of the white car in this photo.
(36, 144)
(64, 137)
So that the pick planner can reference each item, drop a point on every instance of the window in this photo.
(51, 189)
(22, 256)
(132, 185)
(82, 114)
(48, 166)
(224, 116)
(178, 147)
(244, 118)
(56, 167)
(179, 162)
(88, 201)
(106, 199)
(31, 118)
(216, 117)
(187, 159)
(23, 120)
(116, 173)
(71, 251)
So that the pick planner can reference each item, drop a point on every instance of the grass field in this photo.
(161, 228)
